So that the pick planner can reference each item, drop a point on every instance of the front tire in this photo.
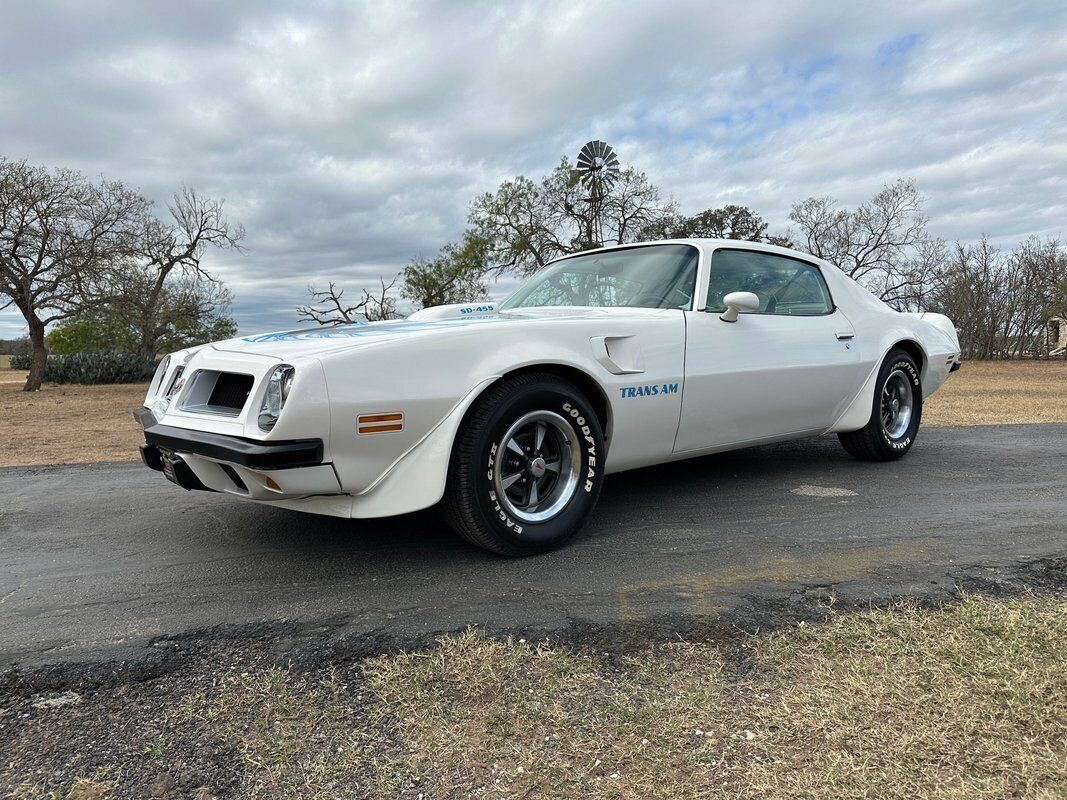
(895, 415)
(526, 467)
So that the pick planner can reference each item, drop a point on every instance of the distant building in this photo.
(1056, 336)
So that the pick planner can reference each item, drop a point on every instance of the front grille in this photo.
(230, 391)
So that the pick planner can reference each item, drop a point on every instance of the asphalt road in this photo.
(103, 561)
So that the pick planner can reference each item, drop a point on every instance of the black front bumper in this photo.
(234, 449)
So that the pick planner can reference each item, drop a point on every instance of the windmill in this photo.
(598, 169)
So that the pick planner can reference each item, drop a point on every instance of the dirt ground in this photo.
(74, 424)
(1001, 393)
(67, 424)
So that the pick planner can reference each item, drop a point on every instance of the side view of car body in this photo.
(510, 415)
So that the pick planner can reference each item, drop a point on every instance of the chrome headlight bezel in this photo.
(174, 385)
(157, 380)
(279, 386)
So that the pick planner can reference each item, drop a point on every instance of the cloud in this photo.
(349, 137)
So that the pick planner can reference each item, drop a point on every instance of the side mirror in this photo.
(736, 302)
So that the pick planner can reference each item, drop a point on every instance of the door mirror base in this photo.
(736, 302)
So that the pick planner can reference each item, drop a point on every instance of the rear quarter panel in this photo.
(878, 329)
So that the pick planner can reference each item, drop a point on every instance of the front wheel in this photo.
(527, 466)
(894, 422)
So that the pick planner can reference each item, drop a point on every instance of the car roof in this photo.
(709, 244)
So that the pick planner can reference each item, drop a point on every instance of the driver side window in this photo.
(783, 285)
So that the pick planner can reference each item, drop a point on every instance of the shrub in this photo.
(96, 332)
(22, 360)
(99, 366)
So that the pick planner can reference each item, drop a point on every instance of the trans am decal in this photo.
(647, 390)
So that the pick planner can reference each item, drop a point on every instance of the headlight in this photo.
(281, 381)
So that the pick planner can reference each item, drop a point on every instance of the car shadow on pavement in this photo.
(667, 494)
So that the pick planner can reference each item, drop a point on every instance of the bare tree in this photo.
(144, 318)
(60, 234)
(381, 304)
(1000, 303)
(882, 243)
(177, 245)
(328, 307)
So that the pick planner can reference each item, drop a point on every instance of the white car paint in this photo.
(762, 378)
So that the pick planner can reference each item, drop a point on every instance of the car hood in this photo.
(323, 340)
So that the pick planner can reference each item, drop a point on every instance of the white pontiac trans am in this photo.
(511, 415)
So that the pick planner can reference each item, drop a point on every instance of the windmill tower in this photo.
(598, 169)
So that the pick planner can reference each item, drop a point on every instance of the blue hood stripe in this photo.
(364, 329)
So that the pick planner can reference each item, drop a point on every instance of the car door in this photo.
(788, 368)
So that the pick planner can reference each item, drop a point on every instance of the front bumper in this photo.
(255, 470)
(249, 453)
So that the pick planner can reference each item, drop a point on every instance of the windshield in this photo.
(658, 276)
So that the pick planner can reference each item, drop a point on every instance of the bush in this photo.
(99, 366)
(22, 360)
(87, 333)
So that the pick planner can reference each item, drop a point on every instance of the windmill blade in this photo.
(597, 165)
(587, 156)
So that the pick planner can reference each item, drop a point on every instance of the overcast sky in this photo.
(349, 137)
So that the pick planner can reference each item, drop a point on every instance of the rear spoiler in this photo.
(939, 321)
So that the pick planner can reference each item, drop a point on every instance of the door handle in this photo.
(845, 335)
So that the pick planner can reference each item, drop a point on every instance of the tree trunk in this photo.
(40, 355)
(148, 346)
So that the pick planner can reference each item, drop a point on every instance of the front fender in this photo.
(416, 480)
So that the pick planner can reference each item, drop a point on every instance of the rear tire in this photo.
(895, 414)
(526, 467)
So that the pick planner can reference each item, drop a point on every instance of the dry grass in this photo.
(966, 701)
(75, 424)
(81, 789)
(1001, 393)
(67, 424)
(5, 363)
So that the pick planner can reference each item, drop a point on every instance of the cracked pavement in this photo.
(107, 562)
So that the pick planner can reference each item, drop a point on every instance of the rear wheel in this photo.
(896, 413)
(527, 466)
